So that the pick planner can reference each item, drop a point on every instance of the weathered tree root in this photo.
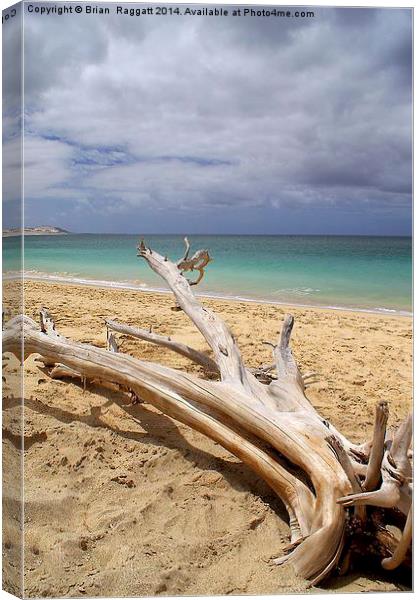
(336, 493)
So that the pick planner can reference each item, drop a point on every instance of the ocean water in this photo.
(359, 272)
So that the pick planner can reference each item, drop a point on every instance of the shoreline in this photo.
(114, 285)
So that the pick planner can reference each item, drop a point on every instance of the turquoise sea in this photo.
(368, 273)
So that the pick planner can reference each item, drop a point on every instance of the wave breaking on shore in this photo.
(73, 279)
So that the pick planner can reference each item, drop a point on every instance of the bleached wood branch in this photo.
(197, 262)
(215, 331)
(396, 472)
(377, 450)
(403, 546)
(166, 342)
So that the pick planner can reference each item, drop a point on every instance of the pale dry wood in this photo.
(215, 331)
(182, 396)
(166, 342)
(111, 342)
(288, 389)
(60, 371)
(403, 546)
(197, 262)
(151, 382)
(262, 374)
(274, 428)
(343, 458)
(377, 449)
(47, 324)
(396, 473)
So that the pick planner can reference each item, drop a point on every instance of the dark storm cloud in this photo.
(189, 114)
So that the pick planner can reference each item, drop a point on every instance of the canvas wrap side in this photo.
(12, 296)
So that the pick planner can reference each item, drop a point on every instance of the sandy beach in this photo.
(121, 500)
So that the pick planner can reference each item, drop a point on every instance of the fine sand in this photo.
(121, 500)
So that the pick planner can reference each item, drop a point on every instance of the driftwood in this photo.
(148, 336)
(341, 497)
(197, 262)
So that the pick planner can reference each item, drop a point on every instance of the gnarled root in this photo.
(271, 426)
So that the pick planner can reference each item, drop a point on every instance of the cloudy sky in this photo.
(209, 125)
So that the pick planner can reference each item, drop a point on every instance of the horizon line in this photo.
(244, 234)
(182, 235)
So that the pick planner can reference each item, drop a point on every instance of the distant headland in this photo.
(41, 230)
